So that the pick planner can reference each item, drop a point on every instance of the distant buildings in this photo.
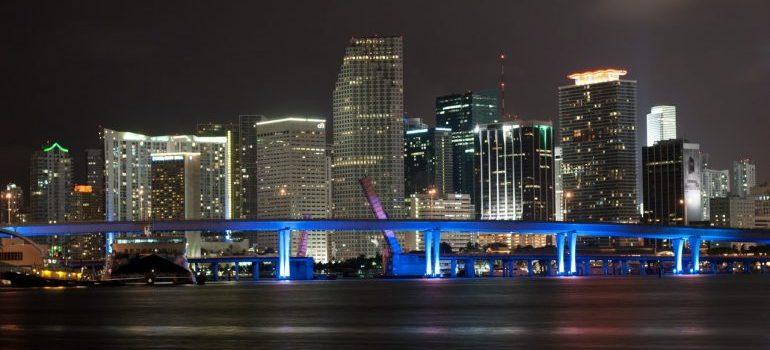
(128, 166)
(671, 173)
(558, 186)
(368, 110)
(515, 171)
(95, 179)
(12, 204)
(597, 120)
(427, 158)
(761, 195)
(462, 113)
(434, 206)
(661, 124)
(716, 184)
(744, 177)
(50, 184)
(246, 175)
(231, 131)
(293, 177)
(733, 211)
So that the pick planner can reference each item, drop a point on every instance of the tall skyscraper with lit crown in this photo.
(661, 124)
(50, 184)
(368, 111)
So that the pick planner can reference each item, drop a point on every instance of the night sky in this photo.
(162, 67)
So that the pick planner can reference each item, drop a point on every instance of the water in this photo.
(596, 312)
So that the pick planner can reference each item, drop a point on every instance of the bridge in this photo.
(427, 264)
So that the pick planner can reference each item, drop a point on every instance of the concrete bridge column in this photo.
(695, 242)
(642, 268)
(255, 271)
(747, 267)
(560, 239)
(714, 267)
(511, 268)
(623, 266)
(214, 272)
(678, 249)
(572, 238)
(236, 270)
(530, 271)
(470, 268)
(453, 268)
(284, 254)
(491, 266)
(109, 238)
(436, 253)
(428, 241)
(586, 267)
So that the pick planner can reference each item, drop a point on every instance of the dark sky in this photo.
(162, 67)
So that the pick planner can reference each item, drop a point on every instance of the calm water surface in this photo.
(695, 312)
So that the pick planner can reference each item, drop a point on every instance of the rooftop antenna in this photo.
(502, 86)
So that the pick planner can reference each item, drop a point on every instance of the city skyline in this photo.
(666, 67)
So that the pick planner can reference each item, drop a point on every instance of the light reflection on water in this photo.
(627, 312)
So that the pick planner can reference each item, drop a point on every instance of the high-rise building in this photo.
(427, 158)
(744, 177)
(515, 171)
(95, 179)
(50, 184)
(761, 195)
(231, 131)
(733, 211)
(716, 184)
(671, 173)
(293, 178)
(86, 204)
(558, 186)
(368, 110)
(661, 124)
(12, 204)
(128, 170)
(462, 113)
(247, 165)
(434, 206)
(597, 126)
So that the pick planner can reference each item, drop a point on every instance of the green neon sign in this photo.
(54, 146)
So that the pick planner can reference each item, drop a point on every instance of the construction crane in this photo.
(393, 248)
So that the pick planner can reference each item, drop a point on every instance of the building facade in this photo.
(597, 128)
(733, 211)
(427, 158)
(672, 183)
(661, 124)
(128, 169)
(368, 139)
(293, 178)
(744, 177)
(50, 185)
(12, 204)
(433, 206)
(558, 186)
(461, 113)
(716, 184)
(515, 171)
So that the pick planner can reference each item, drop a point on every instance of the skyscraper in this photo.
(50, 184)
(247, 165)
(744, 177)
(462, 113)
(95, 179)
(515, 171)
(597, 126)
(427, 158)
(293, 177)
(671, 173)
(231, 132)
(716, 184)
(433, 206)
(128, 166)
(368, 110)
(558, 185)
(661, 124)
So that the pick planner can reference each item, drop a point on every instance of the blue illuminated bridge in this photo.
(427, 263)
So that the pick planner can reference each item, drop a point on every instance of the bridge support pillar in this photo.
(623, 267)
(714, 268)
(214, 272)
(560, 238)
(530, 271)
(586, 267)
(695, 242)
(109, 238)
(642, 268)
(284, 254)
(236, 270)
(491, 266)
(255, 271)
(470, 268)
(606, 267)
(428, 241)
(572, 238)
(678, 249)
(453, 268)
(436, 253)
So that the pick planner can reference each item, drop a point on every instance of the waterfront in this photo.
(599, 312)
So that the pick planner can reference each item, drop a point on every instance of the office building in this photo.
(95, 179)
(461, 113)
(661, 124)
(128, 169)
(558, 186)
(12, 204)
(427, 158)
(597, 126)
(761, 195)
(293, 178)
(515, 171)
(231, 131)
(247, 165)
(733, 211)
(716, 184)
(368, 139)
(744, 177)
(435, 206)
(671, 173)
(50, 184)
